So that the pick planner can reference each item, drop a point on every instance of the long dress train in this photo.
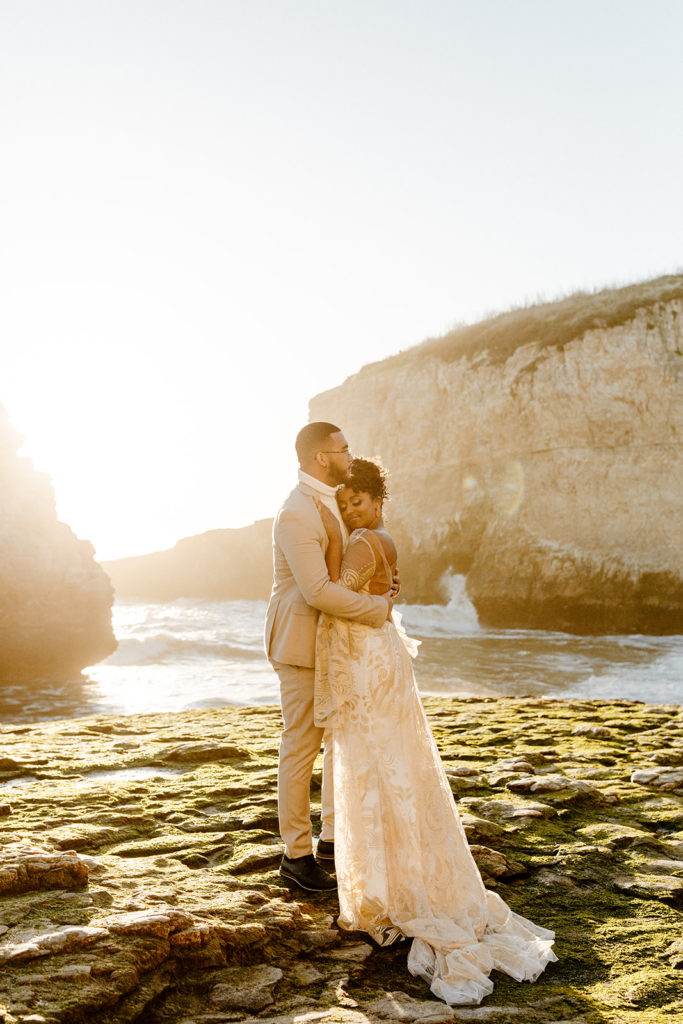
(404, 867)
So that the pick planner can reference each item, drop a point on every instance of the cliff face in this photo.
(221, 565)
(552, 474)
(55, 600)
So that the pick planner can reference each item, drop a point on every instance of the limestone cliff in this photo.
(55, 600)
(542, 454)
(220, 565)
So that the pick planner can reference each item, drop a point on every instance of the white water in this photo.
(193, 654)
(457, 618)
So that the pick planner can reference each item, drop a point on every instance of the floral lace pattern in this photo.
(404, 867)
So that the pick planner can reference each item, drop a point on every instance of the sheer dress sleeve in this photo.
(358, 564)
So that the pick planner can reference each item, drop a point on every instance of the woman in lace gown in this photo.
(404, 867)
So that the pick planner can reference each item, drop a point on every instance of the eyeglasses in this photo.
(338, 451)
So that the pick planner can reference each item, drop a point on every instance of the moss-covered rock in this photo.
(168, 906)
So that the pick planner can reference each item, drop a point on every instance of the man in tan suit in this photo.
(301, 590)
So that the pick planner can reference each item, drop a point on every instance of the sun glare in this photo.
(147, 438)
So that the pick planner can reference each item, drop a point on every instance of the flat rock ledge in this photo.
(139, 883)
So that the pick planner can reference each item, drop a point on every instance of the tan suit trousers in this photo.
(299, 746)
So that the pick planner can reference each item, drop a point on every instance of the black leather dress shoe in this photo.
(307, 874)
(325, 850)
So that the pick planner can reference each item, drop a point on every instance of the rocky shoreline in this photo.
(138, 870)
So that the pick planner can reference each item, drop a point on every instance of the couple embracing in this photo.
(389, 823)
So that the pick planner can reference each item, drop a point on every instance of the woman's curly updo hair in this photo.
(368, 477)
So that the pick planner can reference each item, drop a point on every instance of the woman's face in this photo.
(358, 509)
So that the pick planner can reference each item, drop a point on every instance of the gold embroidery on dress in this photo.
(358, 564)
(404, 866)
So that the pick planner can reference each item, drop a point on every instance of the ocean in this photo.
(184, 654)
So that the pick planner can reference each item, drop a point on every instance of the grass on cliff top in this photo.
(550, 324)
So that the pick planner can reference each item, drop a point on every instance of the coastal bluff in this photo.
(541, 454)
(55, 600)
(220, 565)
(139, 882)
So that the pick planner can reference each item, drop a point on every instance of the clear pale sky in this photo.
(212, 211)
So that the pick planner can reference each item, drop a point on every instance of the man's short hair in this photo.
(312, 438)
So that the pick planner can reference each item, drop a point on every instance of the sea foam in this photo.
(455, 618)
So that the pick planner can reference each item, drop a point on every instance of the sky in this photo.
(212, 211)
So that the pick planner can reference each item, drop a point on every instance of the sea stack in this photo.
(541, 453)
(55, 600)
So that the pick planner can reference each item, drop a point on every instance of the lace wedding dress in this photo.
(404, 867)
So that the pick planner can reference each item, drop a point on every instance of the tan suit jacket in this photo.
(302, 587)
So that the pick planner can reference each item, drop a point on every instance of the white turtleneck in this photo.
(327, 495)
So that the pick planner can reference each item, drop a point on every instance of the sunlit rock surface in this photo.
(541, 453)
(137, 887)
(55, 600)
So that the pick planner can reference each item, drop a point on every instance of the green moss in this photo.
(206, 841)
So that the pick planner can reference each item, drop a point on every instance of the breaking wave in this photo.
(164, 648)
(455, 618)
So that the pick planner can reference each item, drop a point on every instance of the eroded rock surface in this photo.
(55, 600)
(550, 473)
(25, 870)
(155, 897)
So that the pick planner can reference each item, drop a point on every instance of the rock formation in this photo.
(220, 565)
(541, 453)
(55, 600)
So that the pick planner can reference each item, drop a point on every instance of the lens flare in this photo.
(512, 491)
